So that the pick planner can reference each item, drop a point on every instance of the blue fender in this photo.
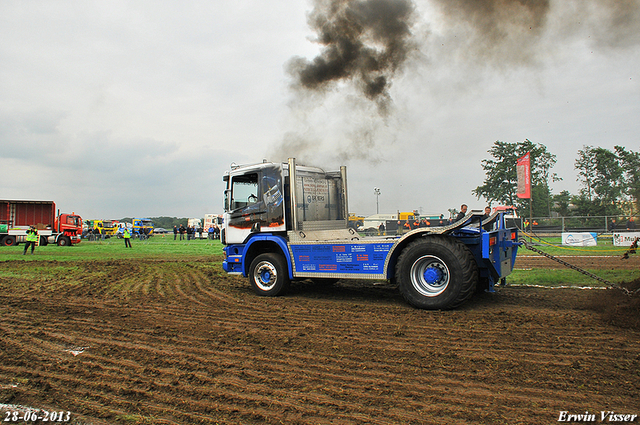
(241, 261)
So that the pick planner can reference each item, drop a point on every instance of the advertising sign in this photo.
(625, 238)
(580, 239)
(341, 258)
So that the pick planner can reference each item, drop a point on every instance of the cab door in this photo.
(254, 203)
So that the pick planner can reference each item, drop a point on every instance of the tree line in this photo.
(609, 181)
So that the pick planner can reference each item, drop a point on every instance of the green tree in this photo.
(630, 163)
(583, 205)
(501, 179)
(586, 164)
(601, 175)
(561, 203)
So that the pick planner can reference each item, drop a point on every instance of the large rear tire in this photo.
(436, 273)
(269, 275)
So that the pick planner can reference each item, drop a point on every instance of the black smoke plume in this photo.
(366, 43)
(506, 32)
(363, 41)
(493, 18)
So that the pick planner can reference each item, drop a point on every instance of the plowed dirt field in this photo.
(173, 342)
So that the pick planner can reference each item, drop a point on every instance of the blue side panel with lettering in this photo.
(349, 258)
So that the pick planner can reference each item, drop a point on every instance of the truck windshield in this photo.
(244, 191)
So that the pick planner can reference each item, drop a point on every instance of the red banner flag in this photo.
(524, 176)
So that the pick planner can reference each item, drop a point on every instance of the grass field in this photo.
(568, 277)
(553, 246)
(165, 248)
(157, 247)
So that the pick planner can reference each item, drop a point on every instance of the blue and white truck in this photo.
(284, 222)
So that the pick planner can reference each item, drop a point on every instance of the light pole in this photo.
(376, 191)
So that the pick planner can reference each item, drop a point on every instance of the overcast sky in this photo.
(136, 108)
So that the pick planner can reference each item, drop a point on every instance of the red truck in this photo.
(17, 216)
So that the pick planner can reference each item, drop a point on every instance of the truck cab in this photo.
(68, 228)
(106, 227)
(142, 226)
(261, 198)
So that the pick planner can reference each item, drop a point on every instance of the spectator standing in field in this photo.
(406, 226)
(32, 238)
(612, 225)
(127, 238)
(182, 232)
(175, 232)
(631, 224)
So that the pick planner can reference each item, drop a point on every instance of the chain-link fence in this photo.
(598, 224)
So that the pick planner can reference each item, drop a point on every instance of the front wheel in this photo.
(268, 275)
(9, 241)
(64, 241)
(436, 273)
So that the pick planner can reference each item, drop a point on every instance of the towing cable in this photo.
(631, 250)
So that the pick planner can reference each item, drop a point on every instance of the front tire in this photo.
(9, 241)
(64, 241)
(436, 273)
(269, 275)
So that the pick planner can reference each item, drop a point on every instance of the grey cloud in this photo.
(31, 134)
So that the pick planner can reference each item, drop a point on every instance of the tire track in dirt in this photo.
(201, 285)
(185, 354)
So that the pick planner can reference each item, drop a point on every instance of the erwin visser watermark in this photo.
(604, 416)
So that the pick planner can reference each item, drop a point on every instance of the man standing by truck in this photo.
(462, 213)
(32, 239)
(487, 213)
